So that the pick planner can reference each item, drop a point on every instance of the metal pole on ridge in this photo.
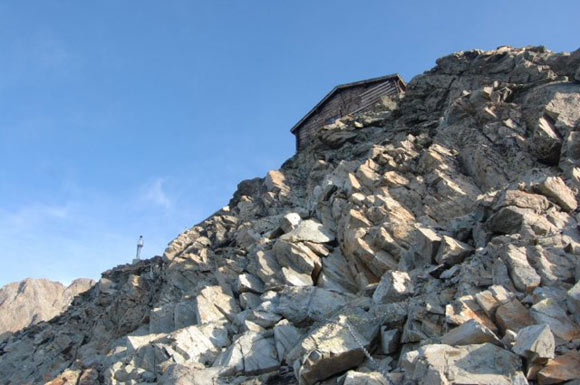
(139, 247)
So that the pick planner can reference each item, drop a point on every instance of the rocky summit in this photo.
(432, 240)
(34, 300)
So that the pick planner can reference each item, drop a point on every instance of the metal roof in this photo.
(341, 87)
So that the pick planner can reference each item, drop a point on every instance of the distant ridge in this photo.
(33, 300)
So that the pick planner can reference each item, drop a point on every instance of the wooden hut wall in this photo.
(372, 96)
(343, 102)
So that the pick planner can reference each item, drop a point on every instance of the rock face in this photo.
(432, 240)
(31, 301)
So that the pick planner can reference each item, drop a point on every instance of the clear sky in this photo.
(120, 118)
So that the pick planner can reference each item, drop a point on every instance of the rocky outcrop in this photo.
(433, 240)
(31, 301)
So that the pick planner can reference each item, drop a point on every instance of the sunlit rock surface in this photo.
(432, 240)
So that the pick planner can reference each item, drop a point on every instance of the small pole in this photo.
(139, 247)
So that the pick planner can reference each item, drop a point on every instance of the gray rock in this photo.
(371, 378)
(309, 231)
(468, 333)
(455, 157)
(333, 347)
(303, 304)
(466, 308)
(389, 340)
(422, 323)
(267, 268)
(135, 342)
(521, 199)
(452, 251)
(289, 222)
(512, 219)
(500, 274)
(336, 274)
(489, 300)
(180, 374)
(469, 364)
(249, 283)
(552, 264)
(535, 343)
(252, 353)
(393, 287)
(573, 299)
(214, 304)
(522, 273)
(161, 319)
(286, 336)
(291, 277)
(366, 174)
(513, 316)
(554, 188)
(571, 148)
(275, 180)
(561, 368)
(509, 339)
(548, 311)
(199, 343)
(427, 243)
(183, 314)
(249, 300)
(391, 313)
(546, 141)
(297, 257)
(264, 318)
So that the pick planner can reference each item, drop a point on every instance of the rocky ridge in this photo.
(32, 300)
(433, 240)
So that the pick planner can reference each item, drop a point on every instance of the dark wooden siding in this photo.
(372, 96)
(344, 102)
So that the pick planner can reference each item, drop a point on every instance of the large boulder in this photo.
(309, 231)
(353, 377)
(548, 311)
(335, 346)
(289, 222)
(452, 251)
(302, 305)
(523, 275)
(546, 141)
(180, 374)
(252, 353)
(214, 304)
(427, 243)
(512, 219)
(562, 368)
(466, 308)
(197, 344)
(336, 274)
(555, 189)
(393, 287)
(468, 333)
(286, 336)
(297, 257)
(481, 364)
(535, 343)
(513, 316)
(492, 298)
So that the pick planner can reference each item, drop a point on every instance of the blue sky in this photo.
(120, 118)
